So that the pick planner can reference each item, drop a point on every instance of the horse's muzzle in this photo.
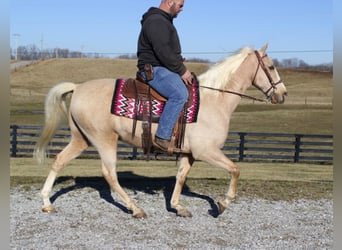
(278, 98)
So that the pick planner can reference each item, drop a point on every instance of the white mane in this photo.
(220, 73)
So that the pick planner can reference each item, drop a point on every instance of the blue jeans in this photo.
(171, 86)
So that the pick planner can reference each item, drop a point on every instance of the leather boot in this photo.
(161, 143)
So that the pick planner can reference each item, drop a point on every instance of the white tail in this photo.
(55, 112)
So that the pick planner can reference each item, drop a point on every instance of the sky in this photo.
(211, 30)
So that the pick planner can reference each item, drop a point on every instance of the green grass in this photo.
(303, 119)
(275, 181)
(156, 168)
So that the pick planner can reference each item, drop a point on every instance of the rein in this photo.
(273, 84)
(236, 93)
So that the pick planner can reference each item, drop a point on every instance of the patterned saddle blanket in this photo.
(126, 106)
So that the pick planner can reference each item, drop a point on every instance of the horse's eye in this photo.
(271, 67)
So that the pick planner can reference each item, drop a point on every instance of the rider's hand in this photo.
(187, 77)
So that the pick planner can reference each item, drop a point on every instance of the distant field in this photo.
(308, 108)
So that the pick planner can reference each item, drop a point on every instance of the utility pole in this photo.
(41, 47)
(16, 38)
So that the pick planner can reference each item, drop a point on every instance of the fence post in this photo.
(14, 141)
(134, 153)
(297, 147)
(242, 146)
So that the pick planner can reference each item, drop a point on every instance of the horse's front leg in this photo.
(232, 191)
(184, 166)
(217, 158)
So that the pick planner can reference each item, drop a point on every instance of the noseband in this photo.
(270, 79)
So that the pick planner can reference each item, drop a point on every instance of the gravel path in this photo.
(87, 218)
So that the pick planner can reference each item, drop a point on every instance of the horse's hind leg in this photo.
(184, 166)
(108, 156)
(111, 177)
(71, 151)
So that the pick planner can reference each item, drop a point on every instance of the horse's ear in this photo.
(263, 49)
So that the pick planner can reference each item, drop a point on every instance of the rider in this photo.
(159, 46)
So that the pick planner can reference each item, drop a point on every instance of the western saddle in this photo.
(140, 90)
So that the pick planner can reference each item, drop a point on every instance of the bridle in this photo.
(270, 79)
(273, 84)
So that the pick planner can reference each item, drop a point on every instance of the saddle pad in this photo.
(123, 106)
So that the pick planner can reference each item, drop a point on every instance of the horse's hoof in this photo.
(140, 215)
(49, 209)
(184, 213)
(222, 206)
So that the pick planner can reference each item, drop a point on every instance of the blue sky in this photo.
(211, 30)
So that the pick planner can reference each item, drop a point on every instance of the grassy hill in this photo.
(308, 108)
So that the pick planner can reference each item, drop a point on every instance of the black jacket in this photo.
(158, 42)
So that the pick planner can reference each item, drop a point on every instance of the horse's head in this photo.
(267, 79)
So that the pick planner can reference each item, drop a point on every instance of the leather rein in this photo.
(273, 84)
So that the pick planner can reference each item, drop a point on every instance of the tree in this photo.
(302, 64)
(22, 53)
(33, 52)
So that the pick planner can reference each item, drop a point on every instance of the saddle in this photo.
(144, 95)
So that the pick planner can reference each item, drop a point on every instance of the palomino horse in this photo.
(221, 88)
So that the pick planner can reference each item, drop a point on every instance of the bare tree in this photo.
(32, 52)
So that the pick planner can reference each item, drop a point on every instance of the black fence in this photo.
(239, 146)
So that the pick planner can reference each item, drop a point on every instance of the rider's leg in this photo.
(171, 86)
